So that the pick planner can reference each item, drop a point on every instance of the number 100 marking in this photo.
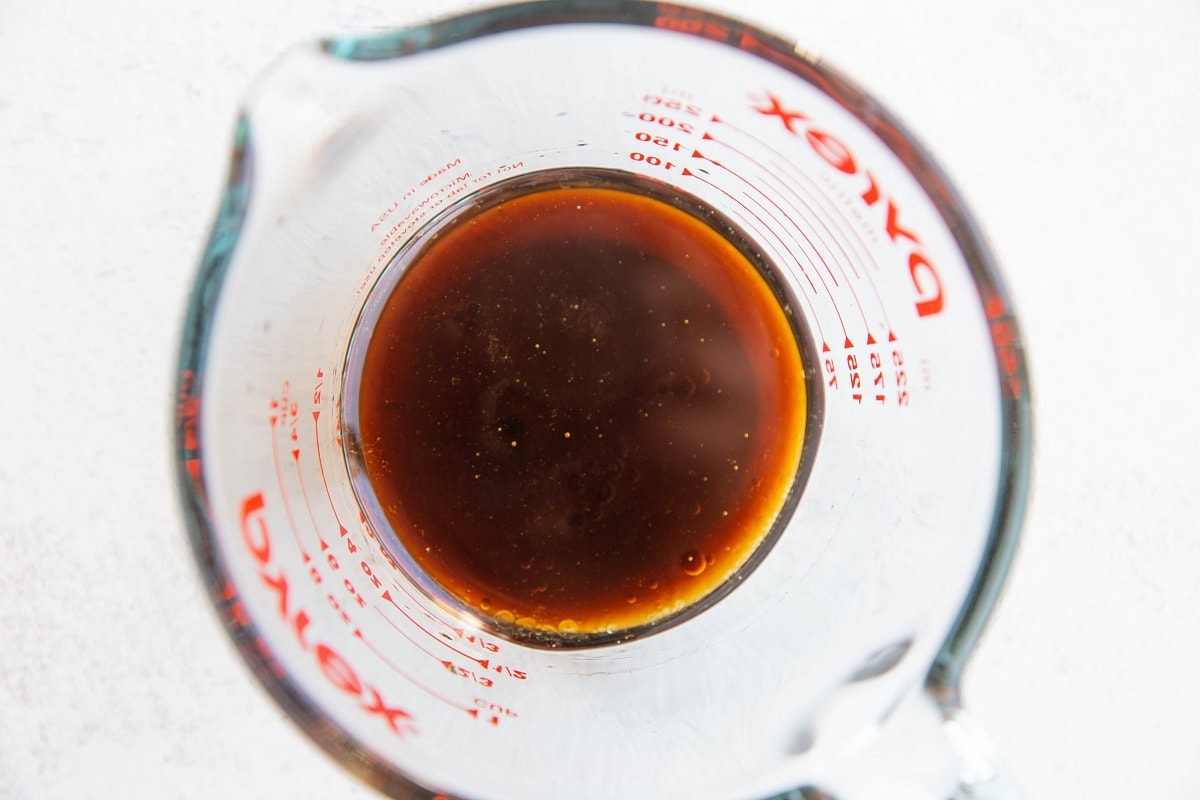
(653, 161)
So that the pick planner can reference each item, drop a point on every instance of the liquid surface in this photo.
(581, 410)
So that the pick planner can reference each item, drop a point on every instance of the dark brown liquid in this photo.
(581, 410)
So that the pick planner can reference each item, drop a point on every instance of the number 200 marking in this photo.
(667, 122)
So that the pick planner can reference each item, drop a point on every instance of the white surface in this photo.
(1072, 129)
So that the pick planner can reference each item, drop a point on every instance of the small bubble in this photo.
(505, 616)
(527, 622)
(693, 563)
(676, 385)
(568, 626)
(485, 604)
(631, 598)
(696, 508)
(774, 352)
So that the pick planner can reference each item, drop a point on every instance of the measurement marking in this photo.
(862, 250)
(816, 254)
(845, 230)
(812, 309)
(474, 712)
(700, 176)
(416, 601)
(771, 230)
(765, 172)
(848, 287)
(283, 493)
(823, 209)
(342, 530)
(307, 501)
(387, 595)
(782, 164)
(417, 644)
(476, 639)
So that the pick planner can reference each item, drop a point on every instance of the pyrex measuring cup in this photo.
(828, 665)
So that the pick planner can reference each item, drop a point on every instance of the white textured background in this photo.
(1071, 126)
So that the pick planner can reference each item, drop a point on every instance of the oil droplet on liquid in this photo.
(693, 563)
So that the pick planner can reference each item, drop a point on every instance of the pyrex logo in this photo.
(837, 154)
(332, 665)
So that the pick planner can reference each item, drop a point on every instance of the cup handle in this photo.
(982, 776)
(927, 749)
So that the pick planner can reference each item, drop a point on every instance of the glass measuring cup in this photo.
(832, 660)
